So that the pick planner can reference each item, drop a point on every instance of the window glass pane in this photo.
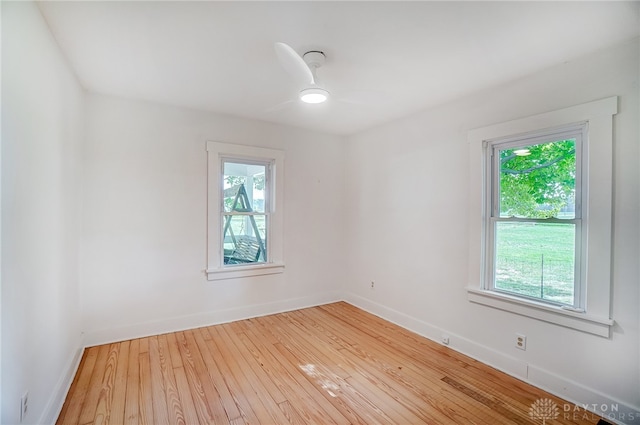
(244, 187)
(536, 260)
(244, 238)
(538, 181)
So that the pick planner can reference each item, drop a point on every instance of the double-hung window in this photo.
(540, 216)
(245, 210)
(534, 219)
(245, 220)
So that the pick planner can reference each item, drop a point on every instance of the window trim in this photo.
(597, 216)
(491, 187)
(218, 152)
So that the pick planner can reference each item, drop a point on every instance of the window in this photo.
(534, 222)
(540, 216)
(245, 211)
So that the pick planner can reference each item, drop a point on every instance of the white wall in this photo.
(114, 191)
(409, 181)
(42, 125)
(144, 223)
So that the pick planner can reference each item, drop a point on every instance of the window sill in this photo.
(557, 315)
(234, 272)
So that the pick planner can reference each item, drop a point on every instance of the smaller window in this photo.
(245, 204)
(245, 210)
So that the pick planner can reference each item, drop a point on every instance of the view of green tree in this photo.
(525, 173)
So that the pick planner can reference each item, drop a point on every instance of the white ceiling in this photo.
(384, 59)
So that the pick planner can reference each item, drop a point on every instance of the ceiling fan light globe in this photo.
(314, 95)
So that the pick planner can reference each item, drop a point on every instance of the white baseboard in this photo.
(54, 404)
(175, 324)
(609, 408)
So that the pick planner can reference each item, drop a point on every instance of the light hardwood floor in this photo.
(333, 364)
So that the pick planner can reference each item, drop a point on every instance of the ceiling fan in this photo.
(303, 69)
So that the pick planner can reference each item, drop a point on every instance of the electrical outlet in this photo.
(521, 342)
(373, 284)
(24, 405)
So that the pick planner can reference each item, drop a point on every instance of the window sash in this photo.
(578, 282)
(268, 165)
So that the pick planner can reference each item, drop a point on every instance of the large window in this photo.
(534, 217)
(540, 216)
(245, 211)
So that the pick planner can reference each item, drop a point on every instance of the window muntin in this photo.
(535, 219)
(245, 211)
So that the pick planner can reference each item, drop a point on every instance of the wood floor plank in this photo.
(256, 375)
(427, 370)
(449, 362)
(385, 379)
(250, 407)
(255, 380)
(144, 345)
(195, 384)
(424, 382)
(174, 405)
(209, 353)
(90, 403)
(189, 409)
(299, 344)
(292, 415)
(392, 392)
(116, 414)
(174, 351)
(324, 391)
(145, 392)
(105, 398)
(302, 395)
(333, 364)
(77, 393)
(214, 397)
(158, 389)
(131, 402)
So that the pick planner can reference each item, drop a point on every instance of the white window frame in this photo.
(492, 203)
(218, 152)
(594, 314)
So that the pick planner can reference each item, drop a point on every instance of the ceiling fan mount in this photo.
(303, 68)
(314, 58)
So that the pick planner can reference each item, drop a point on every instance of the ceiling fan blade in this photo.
(293, 63)
(365, 97)
(278, 107)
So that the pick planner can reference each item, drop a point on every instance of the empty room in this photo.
(325, 212)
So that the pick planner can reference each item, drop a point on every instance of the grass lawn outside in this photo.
(536, 260)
